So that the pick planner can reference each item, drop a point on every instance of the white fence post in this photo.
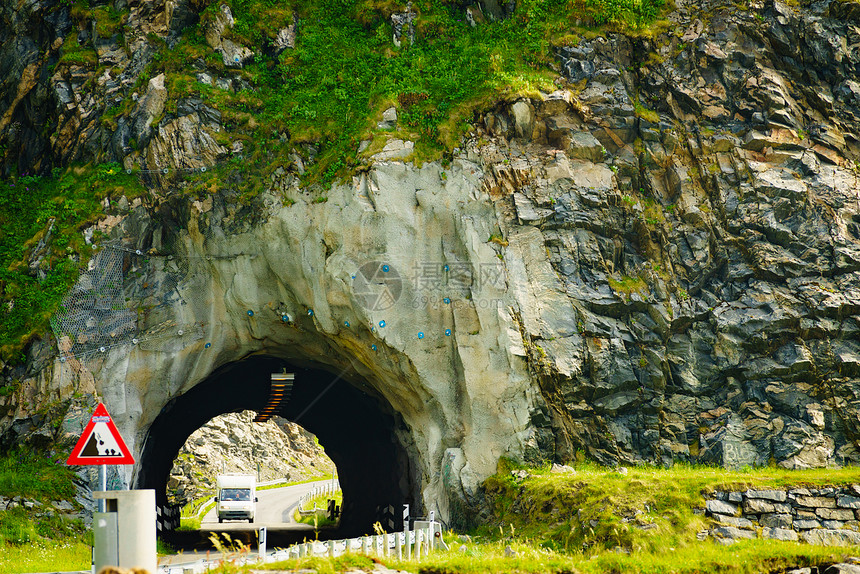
(399, 543)
(408, 536)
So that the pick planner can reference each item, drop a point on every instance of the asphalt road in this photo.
(275, 508)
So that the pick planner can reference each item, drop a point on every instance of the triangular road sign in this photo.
(100, 443)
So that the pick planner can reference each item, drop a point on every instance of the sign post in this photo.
(124, 526)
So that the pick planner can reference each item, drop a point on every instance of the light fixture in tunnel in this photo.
(280, 389)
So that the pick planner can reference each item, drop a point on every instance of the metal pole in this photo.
(102, 485)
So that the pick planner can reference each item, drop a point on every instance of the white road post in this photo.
(406, 531)
(262, 542)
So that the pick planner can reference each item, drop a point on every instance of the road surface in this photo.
(275, 509)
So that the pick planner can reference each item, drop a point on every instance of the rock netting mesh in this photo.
(99, 312)
(94, 315)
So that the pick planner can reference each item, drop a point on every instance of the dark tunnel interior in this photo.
(355, 428)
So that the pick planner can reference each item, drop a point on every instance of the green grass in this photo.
(28, 204)
(628, 285)
(600, 509)
(193, 507)
(646, 114)
(189, 523)
(35, 476)
(326, 476)
(33, 540)
(20, 526)
(323, 565)
(558, 522)
(62, 556)
(746, 557)
(75, 54)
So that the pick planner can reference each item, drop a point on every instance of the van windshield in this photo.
(239, 494)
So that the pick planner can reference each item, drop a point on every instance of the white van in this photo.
(237, 497)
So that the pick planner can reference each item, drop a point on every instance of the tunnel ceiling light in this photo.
(280, 389)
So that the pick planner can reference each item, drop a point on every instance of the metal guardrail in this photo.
(403, 545)
(324, 490)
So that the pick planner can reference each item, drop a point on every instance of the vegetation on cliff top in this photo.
(599, 508)
(331, 89)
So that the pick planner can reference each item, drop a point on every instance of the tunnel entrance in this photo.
(358, 430)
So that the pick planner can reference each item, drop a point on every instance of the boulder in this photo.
(775, 495)
(779, 534)
(720, 507)
(830, 537)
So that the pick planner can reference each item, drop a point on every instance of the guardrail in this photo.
(407, 545)
(323, 490)
(424, 539)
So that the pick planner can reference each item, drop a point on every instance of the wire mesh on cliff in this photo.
(100, 312)
(94, 315)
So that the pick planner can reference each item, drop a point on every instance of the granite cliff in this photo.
(655, 258)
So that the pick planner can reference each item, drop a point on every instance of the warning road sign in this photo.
(100, 443)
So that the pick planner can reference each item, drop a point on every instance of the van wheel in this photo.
(250, 521)
(220, 520)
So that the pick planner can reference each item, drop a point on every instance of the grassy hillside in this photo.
(345, 70)
(644, 509)
(591, 521)
(34, 535)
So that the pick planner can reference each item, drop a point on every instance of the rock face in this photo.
(234, 443)
(585, 274)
